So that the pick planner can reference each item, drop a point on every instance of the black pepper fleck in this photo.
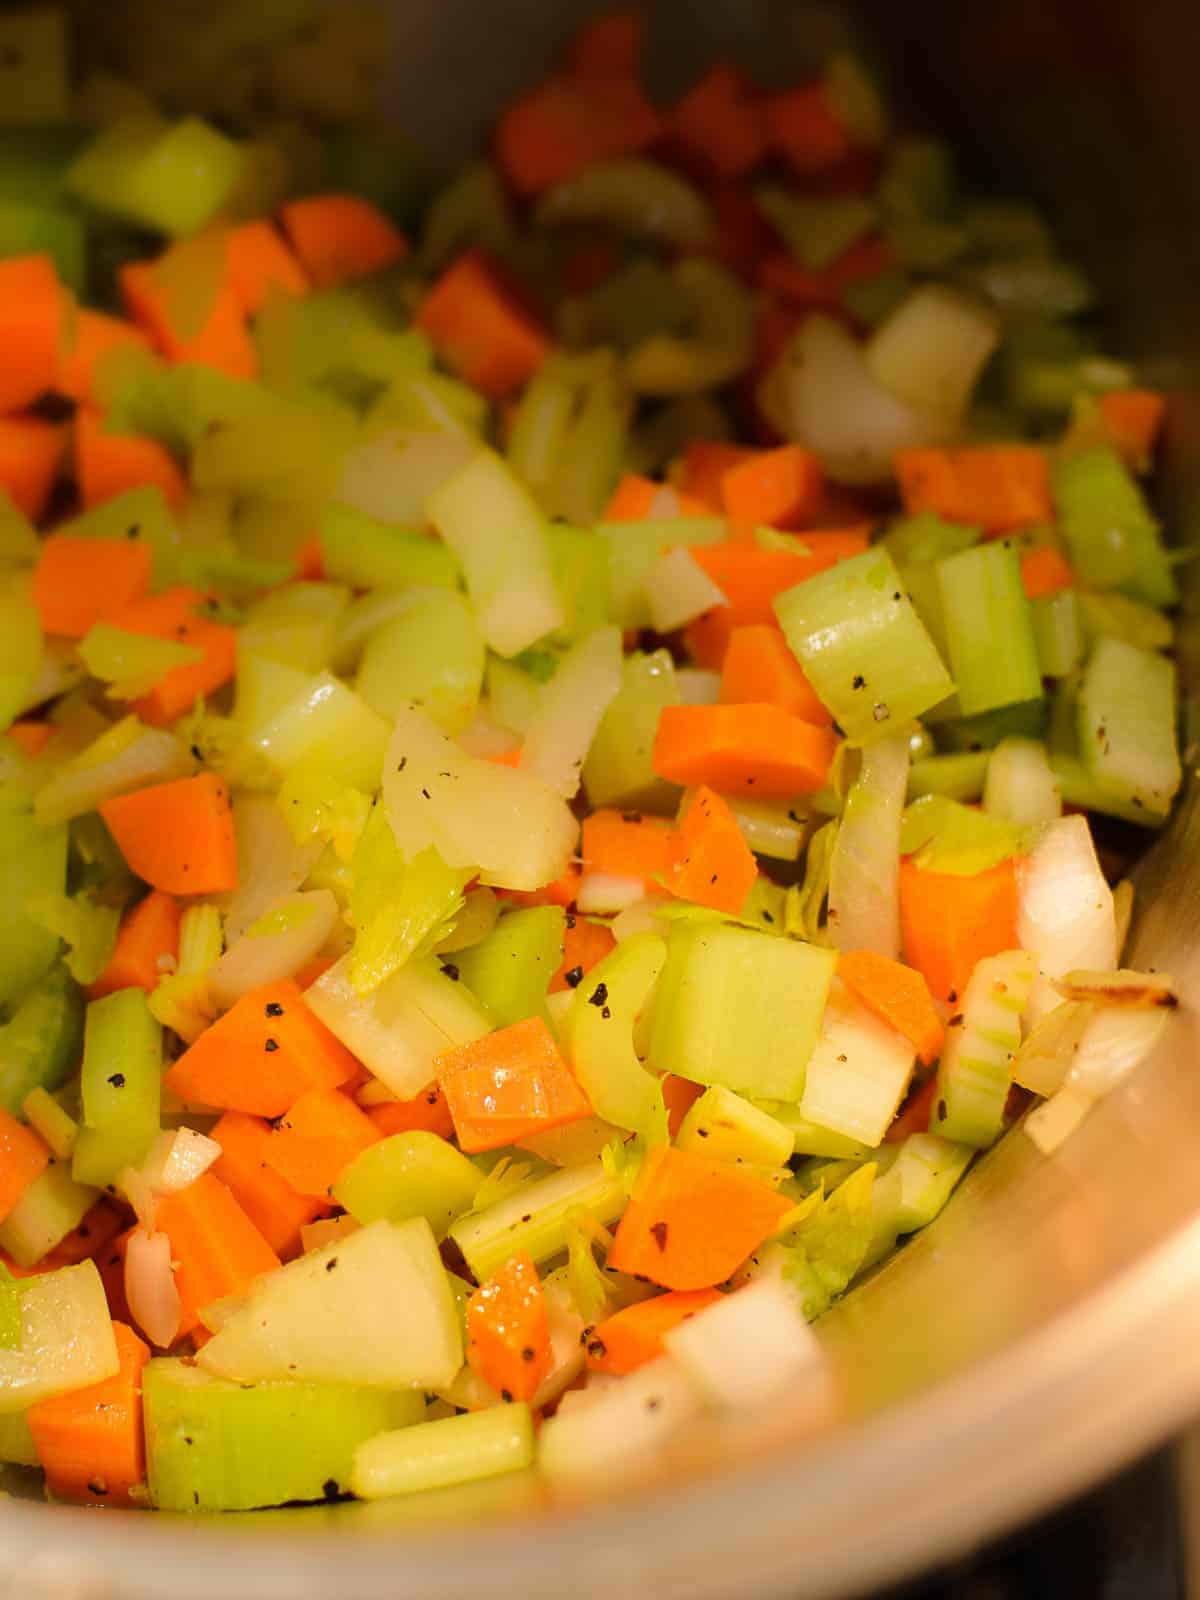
(658, 1232)
(599, 995)
(451, 971)
(273, 1009)
(117, 1080)
(271, 1046)
(573, 977)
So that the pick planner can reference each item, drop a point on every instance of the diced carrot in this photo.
(915, 1114)
(318, 1137)
(774, 489)
(561, 892)
(705, 463)
(996, 487)
(310, 562)
(31, 322)
(805, 130)
(822, 290)
(949, 923)
(1134, 418)
(634, 1335)
(77, 581)
(177, 836)
(215, 1248)
(508, 1085)
(259, 264)
(759, 667)
(273, 1206)
(584, 944)
(31, 453)
(107, 464)
(480, 330)
(506, 758)
(261, 1056)
(609, 46)
(628, 845)
(146, 948)
(508, 1330)
(568, 122)
(720, 123)
(97, 335)
(897, 995)
(341, 237)
(711, 864)
(99, 1228)
(636, 498)
(23, 1157)
(222, 340)
(691, 1222)
(172, 615)
(90, 1441)
(426, 1112)
(1045, 571)
(754, 750)
(31, 737)
(680, 1095)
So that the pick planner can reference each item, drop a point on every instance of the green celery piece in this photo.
(927, 537)
(817, 230)
(1057, 632)
(579, 561)
(540, 426)
(39, 1045)
(472, 208)
(1081, 788)
(141, 513)
(326, 727)
(918, 178)
(56, 1126)
(635, 303)
(966, 735)
(989, 629)
(802, 915)
(51, 230)
(19, 544)
(52, 1207)
(132, 663)
(296, 625)
(589, 463)
(121, 1086)
(430, 655)
(367, 554)
(598, 1037)
(508, 971)
(635, 547)
(1116, 616)
(201, 397)
(35, 83)
(829, 1245)
(514, 695)
(34, 162)
(212, 1445)
(914, 1188)
(863, 647)
(725, 1127)
(10, 1311)
(33, 862)
(871, 300)
(957, 776)
(810, 1139)
(537, 1216)
(380, 162)
(975, 1071)
(450, 1450)
(16, 1442)
(170, 177)
(413, 1174)
(21, 647)
(740, 1009)
(947, 836)
(87, 927)
(496, 530)
(1126, 724)
(619, 769)
(398, 915)
(1112, 537)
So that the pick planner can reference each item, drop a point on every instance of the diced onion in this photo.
(1049, 1124)
(679, 590)
(1065, 909)
(270, 862)
(697, 687)
(1113, 1043)
(569, 711)
(177, 1158)
(148, 757)
(307, 920)
(602, 893)
(150, 1289)
(747, 1348)
(391, 476)
(864, 905)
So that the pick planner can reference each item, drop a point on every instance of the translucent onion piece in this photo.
(150, 1289)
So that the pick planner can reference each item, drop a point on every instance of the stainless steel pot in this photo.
(1047, 1328)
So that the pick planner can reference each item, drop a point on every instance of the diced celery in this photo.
(168, 176)
(857, 1073)
(724, 1127)
(16, 1442)
(1117, 616)
(618, 769)
(975, 1072)
(718, 345)
(290, 453)
(66, 1338)
(20, 645)
(46, 1116)
(914, 1188)
(947, 836)
(569, 711)
(810, 1139)
(471, 209)
(132, 663)
(212, 1445)
(1057, 633)
(536, 1216)
(933, 348)
(450, 1450)
(817, 229)
(959, 777)
(39, 1044)
(579, 561)
(828, 1246)
(863, 647)
(398, 1029)
(401, 910)
(326, 727)
(1025, 720)
(589, 463)
(1126, 724)
(33, 862)
(633, 550)
(926, 537)
(513, 694)
(598, 1036)
(368, 554)
(989, 628)
(509, 970)
(739, 1009)
(1081, 788)
(86, 926)
(44, 229)
(540, 424)
(497, 532)
(864, 908)
(1111, 535)
(122, 1068)
(1021, 787)
(429, 655)
(414, 1174)
(52, 1206)
(918, 178)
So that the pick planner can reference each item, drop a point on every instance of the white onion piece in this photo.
(601, 893)
(150, 1289)
(136, 1188)
(1113, 1043)
(1049, 1124)
(391, 475)
(270, 862)
(640, 917)
(84, 785)
(257, 958)
(931, 350)
(569, 711)
(679, 590)
(617, 1429)
(697, 687)
(1065, 913)
(864, 873)
(177, 1158)
(747, 1348)
(1020, 786)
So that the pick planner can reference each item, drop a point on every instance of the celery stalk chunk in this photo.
(497, 531)
(810, 1139)
(537, 1217)
(599, 1039)
(450, 1450)
(16, 1442)
(66, 1338)
(740, 1009)
(914, 1188)
(863, 647)
(1057, 632)
(212, 1445)
(430, 655)
(172, 177)
(121, 1083)
(725, 1127)
(1112, 538)
(1126, 713)
(359, 550)
(989, 628)
(975, 1072)
(634, 548)
(33, 862)
(50, 1208)
(372, 1308)
(569, 710)
(413, 1174)
(21, 646)
(39, 1045)
(328, 726)
(618, 769)
(509, 971)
